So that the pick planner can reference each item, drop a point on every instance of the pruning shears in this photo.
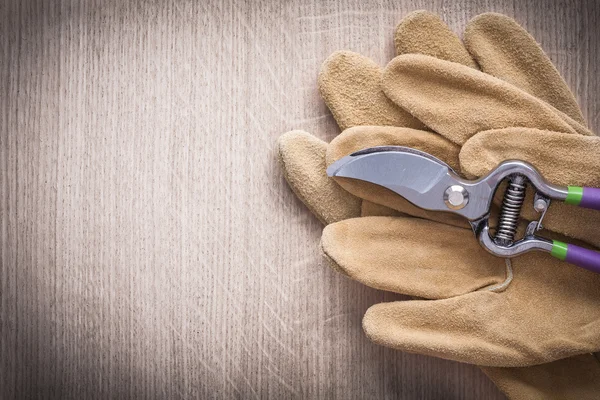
(431, 184)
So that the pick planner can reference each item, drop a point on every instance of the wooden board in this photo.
(150, 247)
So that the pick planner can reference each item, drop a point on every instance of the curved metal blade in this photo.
(417, 176)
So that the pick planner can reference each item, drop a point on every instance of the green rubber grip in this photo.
(559, 250)
(574, 195)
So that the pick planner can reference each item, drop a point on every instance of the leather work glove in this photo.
(484, 313)
(487, 314)
(564, 378)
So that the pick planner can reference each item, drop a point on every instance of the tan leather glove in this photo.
(473, 324)
(517, 382)
(547, 311)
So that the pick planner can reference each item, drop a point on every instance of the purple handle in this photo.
(590, 198)
(583, 258)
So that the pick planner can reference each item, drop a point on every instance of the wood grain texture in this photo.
(150, 247)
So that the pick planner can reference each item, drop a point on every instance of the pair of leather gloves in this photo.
(532, 324)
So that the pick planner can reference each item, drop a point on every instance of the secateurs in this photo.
(431, 184)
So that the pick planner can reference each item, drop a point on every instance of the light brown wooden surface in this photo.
(150, 247)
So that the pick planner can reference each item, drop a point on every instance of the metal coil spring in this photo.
(511, 210)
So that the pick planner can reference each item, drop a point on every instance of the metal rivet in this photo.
(456, 197)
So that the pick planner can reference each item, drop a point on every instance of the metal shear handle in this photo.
(503, 245)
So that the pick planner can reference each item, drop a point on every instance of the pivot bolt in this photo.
(456, 197)
(540, 205)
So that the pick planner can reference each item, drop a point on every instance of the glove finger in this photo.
(563, 159)
(570, 378)
(302, 157)
(422, 32)
(447, 328)
(533, 321)
(499, 45)
(350, 85)
(361, 137)
(457, 101)
(505, 50)
(474, 328)
(391, 254)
